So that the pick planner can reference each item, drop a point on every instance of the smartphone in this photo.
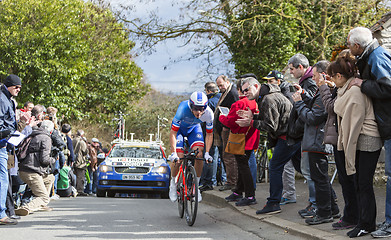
(292, 88)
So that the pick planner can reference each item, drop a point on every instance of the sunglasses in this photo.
(198, 108)
(246, 89)
(17, 87)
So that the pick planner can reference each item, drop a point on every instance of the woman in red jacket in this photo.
(245, 181)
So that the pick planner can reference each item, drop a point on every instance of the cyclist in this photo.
(186, 123)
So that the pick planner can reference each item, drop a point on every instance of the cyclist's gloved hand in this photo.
(208, 157)
(173, 157)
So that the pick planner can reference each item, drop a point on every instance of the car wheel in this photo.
(111, 194)
(100, 193)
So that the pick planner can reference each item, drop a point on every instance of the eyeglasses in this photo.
(246, 89)
(17, 87)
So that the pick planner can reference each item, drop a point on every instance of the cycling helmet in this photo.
(198, 101)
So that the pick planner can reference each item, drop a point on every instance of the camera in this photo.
(292, 89)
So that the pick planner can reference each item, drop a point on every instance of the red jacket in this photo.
(252, 137)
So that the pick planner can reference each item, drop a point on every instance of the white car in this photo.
(134, 167)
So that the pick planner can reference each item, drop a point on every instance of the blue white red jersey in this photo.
(184, 118)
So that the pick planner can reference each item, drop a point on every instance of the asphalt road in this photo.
(136, 218)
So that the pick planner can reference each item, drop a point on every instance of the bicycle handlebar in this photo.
(190, 156)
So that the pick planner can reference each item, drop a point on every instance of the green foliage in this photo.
(260, 35)
(262, 43)
(265, 34)
(70, 54)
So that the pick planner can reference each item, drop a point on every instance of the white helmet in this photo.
(198, 99)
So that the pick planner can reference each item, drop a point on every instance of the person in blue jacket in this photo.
(374, 66)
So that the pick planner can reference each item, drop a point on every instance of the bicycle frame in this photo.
(187, 188)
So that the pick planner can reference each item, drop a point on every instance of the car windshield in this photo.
(136, 152)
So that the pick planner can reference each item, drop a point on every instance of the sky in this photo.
(181, 77)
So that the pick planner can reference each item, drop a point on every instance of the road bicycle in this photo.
(263, 155)
(187, 187)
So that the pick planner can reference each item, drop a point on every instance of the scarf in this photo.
(216, 135)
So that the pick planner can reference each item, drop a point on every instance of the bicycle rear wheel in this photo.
(191, 201)
(180, 192)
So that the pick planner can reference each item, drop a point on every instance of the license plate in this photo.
(132, 177)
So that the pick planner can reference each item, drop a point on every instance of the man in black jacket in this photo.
(300, 68)
(312, 112)
(221, 133)
(274, 110)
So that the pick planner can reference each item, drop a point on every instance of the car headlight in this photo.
(105, 168)
(160, 170)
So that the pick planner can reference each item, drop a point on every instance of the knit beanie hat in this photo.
(12, 80)
(66, 128)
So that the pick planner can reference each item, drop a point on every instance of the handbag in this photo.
(11, 159)
(236, 143)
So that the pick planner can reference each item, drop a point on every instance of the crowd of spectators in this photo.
(46, 163)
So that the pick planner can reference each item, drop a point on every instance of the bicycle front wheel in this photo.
(180, 192)
(191, 201)
(262, 165)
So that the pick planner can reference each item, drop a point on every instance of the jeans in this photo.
(387, 147)
(319, 174)
(3, 181)
(350, 212)
(10, 200)
(91, 186)
(305, 170)
(215, 163)
(288, 181)
(252, 163)
(207, 170)
(57, 166)
(220, 166)
(282, 154)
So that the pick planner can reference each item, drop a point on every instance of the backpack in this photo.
(63, 178)
(22, 151)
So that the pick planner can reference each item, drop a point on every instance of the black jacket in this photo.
(274, 111)
(7, 114)
(38, 158)
(312, 112)
(58, 144)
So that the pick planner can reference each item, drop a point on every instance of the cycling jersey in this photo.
(184, 118)
(187, 125)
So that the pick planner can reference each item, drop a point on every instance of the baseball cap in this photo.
(274, 74)
(95, 140)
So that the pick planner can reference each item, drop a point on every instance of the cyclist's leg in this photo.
(179, 151)
(175, 167)
(196, 141)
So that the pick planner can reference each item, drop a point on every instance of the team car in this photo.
(134, 166)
